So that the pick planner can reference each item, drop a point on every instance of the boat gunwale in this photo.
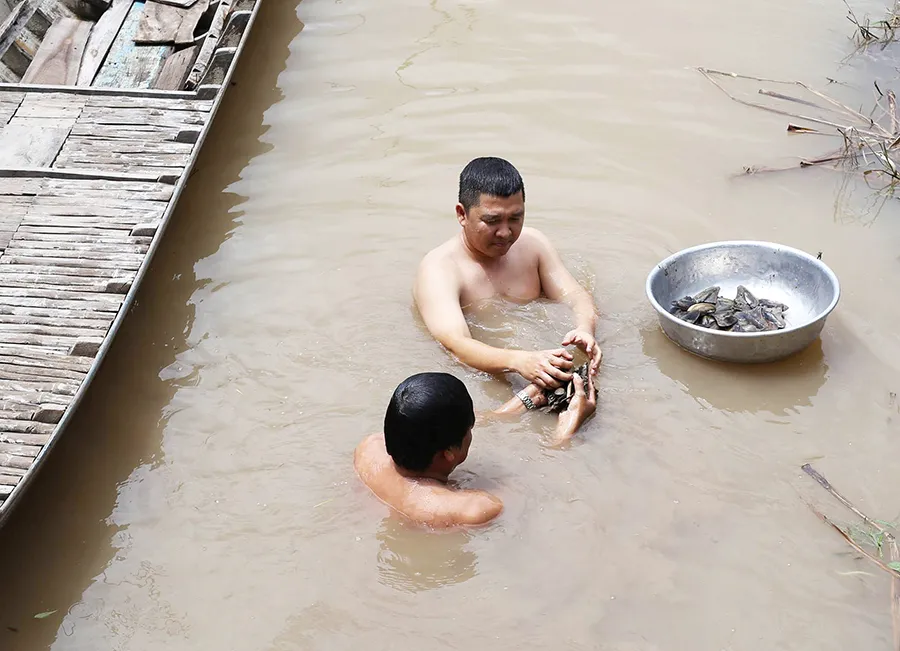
(201, 92)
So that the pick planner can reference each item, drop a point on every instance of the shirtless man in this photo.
(427, 434)
(494, 255)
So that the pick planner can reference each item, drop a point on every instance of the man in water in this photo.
(495, 256)
(427, 434)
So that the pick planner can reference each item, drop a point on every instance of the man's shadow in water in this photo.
(414, 559)
(775, 386)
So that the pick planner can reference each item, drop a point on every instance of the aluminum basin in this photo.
(774, 271)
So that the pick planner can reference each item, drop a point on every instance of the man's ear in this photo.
(449, 455)
(460, 214)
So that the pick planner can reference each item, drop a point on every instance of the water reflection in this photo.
(776, 387)
(414, 559)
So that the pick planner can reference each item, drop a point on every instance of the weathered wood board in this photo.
(102, 37)
(162, 23)
(58, 59)
(129, 65)
(209, 43)
(176, 69)
(30, 146)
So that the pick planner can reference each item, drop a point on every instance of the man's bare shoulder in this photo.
(439, 268)
(442, 256)
(369, 455)
(535, 238)
(439, 506)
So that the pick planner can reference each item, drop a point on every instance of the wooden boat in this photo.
(104, 105)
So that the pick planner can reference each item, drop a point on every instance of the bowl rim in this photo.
(659, 266)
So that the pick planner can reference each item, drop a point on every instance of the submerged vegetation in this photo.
(881, 32)
(877, 535)
(866, 143)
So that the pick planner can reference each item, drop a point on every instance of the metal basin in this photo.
(780, 273)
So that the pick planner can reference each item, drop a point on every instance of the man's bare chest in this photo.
(517, 283)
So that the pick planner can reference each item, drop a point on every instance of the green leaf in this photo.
(44, 614)
(894, 565)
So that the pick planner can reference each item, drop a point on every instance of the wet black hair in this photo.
(428, 413)
(488, 175)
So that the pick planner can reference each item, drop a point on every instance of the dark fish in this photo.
(702, 308)
(708, 295)
(744, 300)
(683, 303)
(558, 399)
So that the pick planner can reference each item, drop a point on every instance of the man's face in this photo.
(493, 225)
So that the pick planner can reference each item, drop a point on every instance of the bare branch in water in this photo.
(869, 143)
(888, 536)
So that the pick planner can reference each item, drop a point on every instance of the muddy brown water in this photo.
(204, 496)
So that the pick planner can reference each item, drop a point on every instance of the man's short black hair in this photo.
(488, 175)
(428, 413)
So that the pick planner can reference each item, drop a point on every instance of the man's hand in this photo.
(581, 406)
(588, 344)
(546, 368)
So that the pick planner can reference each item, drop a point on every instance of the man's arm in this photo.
(558, 284)
(436, 292)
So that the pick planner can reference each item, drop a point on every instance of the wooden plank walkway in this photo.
(71, 243)
(90, 173)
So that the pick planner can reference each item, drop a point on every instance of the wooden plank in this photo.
(128, 146)
(19, 450)
(128, 131)
(179, 3)
(171, 104)
(61, 294)
(81, 284)
(60, 343)
(16, 472)
(102, 37)
(9, 480)
(10, 461)
(86, 347)
(57, 123)
(125, 265)
(50, 331)
(103, 222)
(109, 302)
(124, 168)
(49, 313)
(39, 355)
(88, 246)
(165, 23)
(72, 156)
(152, 117)
(58, 59)
(95, 322)
(42, 390)
(50, 413)
(27, 371)
(15, 22)
(16, 411)
(51, 105)
(30, 146)
(20, 187)
(209, 44)
(110, 207)
(111, 239)
(129, 65)
(118, 189)
(9, 428)
(9, 104)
